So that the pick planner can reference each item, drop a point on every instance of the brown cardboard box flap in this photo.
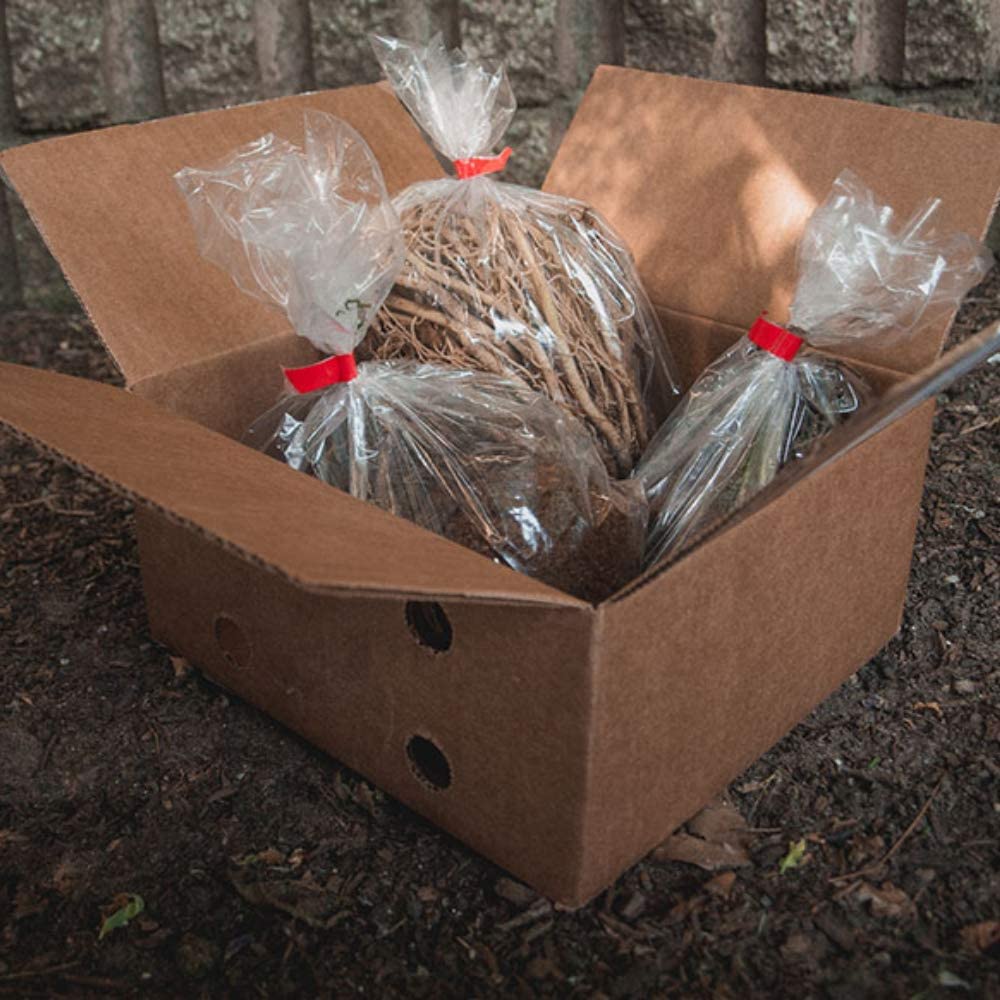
(107, 205)
(902, 396)
(711, 184)
(314, 535)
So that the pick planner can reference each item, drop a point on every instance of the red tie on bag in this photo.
(476, 165)
(342, 367)
(329, 371)
(769, 336)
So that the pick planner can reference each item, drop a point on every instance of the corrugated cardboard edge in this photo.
(545, 596)
(106, 204)
(909, 392)
(666, 702)
(770, 156)
(39, 225)
(249, 557)
(582, 891)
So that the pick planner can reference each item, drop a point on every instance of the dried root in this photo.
(543, 297)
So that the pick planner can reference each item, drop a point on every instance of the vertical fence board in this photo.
(8, 101)
(10, 276)
(11, 294)
(880, 42)
(283, 39)
(993, 44)
(418, 20)
(130, 61)
(739, 52)
(587, 34)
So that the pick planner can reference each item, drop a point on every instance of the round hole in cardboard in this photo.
(232, 641)
(428, 762)
(430, 625)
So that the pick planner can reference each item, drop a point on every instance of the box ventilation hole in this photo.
(429, 625)
(428, 762)
(232, 641)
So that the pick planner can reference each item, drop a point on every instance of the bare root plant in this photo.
(546, 297)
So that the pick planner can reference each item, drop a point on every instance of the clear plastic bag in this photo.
(479, 458)
(764, 401)
(504, 279)
(311, 230)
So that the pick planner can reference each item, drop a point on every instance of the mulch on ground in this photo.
(267, 869)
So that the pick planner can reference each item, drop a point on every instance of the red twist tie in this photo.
(476, 165)
(329, 371)
(769, 336)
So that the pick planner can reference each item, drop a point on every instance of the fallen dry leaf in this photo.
(364, 794)
(721, 885)
(886, 901)
(928, 706)
(703, 853)
(718, 839)
(836, 930)
(181, 667)
(270, 856)
(682, 910)
(65, 876)
(721, 823)
(634, 907)
(950, 981)
(302, 900)
(798, 946)
(515, 892)
(981, 937)
(862, 850)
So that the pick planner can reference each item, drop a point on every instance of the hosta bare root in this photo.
(544, 295)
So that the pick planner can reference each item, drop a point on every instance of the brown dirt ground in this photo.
(268, 869)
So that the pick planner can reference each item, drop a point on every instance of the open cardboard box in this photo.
(561, 740)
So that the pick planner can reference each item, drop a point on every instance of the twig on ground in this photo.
(869, 869)
(35, 973)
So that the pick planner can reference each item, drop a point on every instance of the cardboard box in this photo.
(559, 739)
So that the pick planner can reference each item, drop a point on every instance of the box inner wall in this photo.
(228, 391)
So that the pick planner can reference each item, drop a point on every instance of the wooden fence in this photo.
(587, 33)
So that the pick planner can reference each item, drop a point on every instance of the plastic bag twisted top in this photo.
(464, 105)
(311, 229)
(863, 273)
(478, 458)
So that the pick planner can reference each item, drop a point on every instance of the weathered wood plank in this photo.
(739, 53)
(283, 36)
(879, 54)
(130, 61)
(418, 20)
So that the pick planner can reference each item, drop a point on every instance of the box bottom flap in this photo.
(314, 535)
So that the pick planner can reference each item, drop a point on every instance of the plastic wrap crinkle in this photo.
(504, 279)
(862, 277)
(480, 458)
